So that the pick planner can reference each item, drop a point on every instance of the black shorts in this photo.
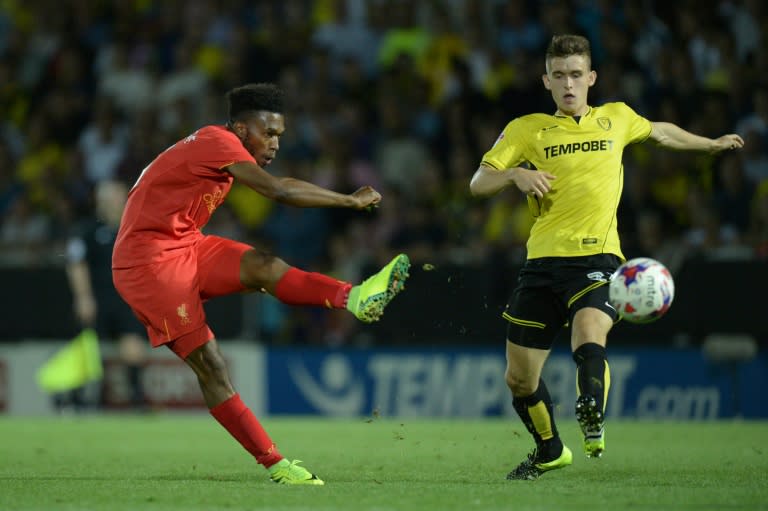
(550, 290)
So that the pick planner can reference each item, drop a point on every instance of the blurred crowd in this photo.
(399, 94)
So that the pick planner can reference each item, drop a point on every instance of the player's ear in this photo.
(240, 129)
(592, 77)
(545, 79)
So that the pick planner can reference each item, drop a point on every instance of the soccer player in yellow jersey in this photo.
(569, 165)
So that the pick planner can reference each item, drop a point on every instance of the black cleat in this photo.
(531, 468)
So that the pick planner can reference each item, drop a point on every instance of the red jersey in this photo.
(175, 195)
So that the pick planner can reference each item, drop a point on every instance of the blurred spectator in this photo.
(754, 128)
(10, 187)
(733, 194)
(43, 163)
(131, 87)
(347, 38)
(404, 36)
(103, 143)
(437, 65)
(24, 233)
(420, 234)
(744, 22)
(400, 158)
(518, 30)
(653, 238)
(758, 234)
(707, 232)
(648, 33)
(185, 82)
(755, 156)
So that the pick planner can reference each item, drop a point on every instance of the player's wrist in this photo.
(352, 202)
(514, 175)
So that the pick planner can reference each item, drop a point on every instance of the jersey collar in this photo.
(561, 115)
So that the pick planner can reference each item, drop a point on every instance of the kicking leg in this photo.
(589, 333)
(259, 270)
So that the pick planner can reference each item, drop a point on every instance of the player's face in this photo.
(261, 136)
(569, 80)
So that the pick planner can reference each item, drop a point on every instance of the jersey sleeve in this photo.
(222, 149)
(509, 149)
(638, 127)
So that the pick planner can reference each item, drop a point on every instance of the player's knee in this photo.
(210, 368)
(260, 269)
(590, 325)
(519, 385)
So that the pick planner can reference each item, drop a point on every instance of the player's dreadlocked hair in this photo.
(252, 98)
(567, 45)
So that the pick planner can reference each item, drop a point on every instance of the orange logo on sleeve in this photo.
(212, 200)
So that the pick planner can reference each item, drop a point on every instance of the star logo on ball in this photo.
(630, 273)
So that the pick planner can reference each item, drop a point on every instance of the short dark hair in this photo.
(254, 97)
(569, 44)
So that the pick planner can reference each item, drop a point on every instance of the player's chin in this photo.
(264, 162)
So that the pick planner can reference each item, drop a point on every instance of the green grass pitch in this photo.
(189, 463)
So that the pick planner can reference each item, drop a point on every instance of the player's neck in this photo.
(580, 113)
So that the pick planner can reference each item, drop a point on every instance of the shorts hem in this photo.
(186, 343)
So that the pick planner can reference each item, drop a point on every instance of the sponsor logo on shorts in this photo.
(597, 275)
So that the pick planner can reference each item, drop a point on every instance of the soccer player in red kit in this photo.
(165, 267)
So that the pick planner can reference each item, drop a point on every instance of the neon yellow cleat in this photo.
(531, 469)
(594, 444)
(368, 300)
(285, 472)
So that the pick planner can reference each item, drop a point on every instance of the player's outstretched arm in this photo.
(673, 136)
(488, 181)
(296, 192)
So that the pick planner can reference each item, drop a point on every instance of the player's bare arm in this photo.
(489, 181)
(296, 192)
(671, 136)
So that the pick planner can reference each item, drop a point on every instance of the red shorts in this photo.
(168, 296)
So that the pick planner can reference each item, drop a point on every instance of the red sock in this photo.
(239, 420)
(299, 287)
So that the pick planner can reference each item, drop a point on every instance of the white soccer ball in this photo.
(641, 290)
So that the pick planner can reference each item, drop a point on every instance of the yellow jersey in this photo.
(577, 217)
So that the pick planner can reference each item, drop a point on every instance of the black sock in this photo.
(593, 373)
(537, 413)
